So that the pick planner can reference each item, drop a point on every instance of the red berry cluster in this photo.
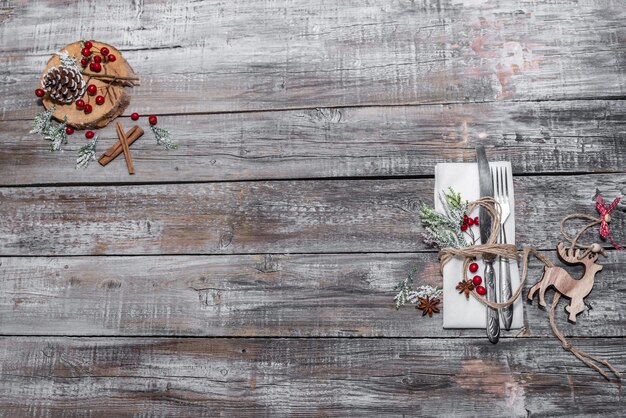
(477, 280)
(86, 107)
(96, 60)
(468, 222)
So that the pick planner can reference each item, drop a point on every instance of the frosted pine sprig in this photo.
(443, 229)
(86, 153)
(51, 131)
(163, 137)
(406, 293)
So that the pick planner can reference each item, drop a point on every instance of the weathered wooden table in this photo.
(251, 272)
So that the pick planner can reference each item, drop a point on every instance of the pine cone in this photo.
(64, 84)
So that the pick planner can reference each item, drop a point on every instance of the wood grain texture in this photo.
(320, 377)
(330, 295)
(254, 54)
(266, 217)
(568, 136)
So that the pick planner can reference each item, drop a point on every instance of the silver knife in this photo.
(486, 190)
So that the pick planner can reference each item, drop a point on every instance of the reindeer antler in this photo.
(573, 256)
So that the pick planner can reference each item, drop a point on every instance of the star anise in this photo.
(465, 286)
(428, 306)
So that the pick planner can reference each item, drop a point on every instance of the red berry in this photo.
(40, 93)
(111, 57)
(134, 116)
(95, 67)
(464, 227)
(87, 108)
(477, 280)
(97, 58)
(481, 290)
(470, 221)
(86, 52)
(69, 130)
(89, 134)
(88, 44)
(92, 89)
(80, 103)
(104, 51)
(476, 221)
(153, 120)
(473, 267)
(84, 62)
(465, 217)
(99, 100)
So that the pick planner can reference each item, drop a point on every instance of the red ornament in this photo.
(99, 100)
(92, 89)
(80, 103)
(40, 93)
(473, 267)
(111, 57)
(153, 120)
(104, 51)
(476, 221)
(86, 52)
(88, 44)
(97, 58)
(89, 134)
(87, 108)
(481, 290)
(477, 280)
(470, 221)
(84, 62)
(464, 227)
(69, 130)
(134, 116)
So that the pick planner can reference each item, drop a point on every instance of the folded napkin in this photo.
(459, 312)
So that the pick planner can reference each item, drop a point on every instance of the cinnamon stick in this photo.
(129, 160)
(116, 149)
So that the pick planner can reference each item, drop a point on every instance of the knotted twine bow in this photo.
(510, 251)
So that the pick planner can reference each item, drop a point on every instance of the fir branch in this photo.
(53, 132)
(86, 154)
(42, 121)
(406, 294)
(163, 137)
(443, 229)
(404, 288)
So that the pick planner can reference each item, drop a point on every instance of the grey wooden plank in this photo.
(349, 295)
(312, 377)
(206, 57)
(578, 136)
(266, 217)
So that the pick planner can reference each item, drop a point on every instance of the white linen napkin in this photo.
(458, 312)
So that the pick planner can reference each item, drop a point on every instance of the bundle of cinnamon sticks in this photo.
(122, 146)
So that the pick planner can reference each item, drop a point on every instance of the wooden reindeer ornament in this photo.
(564, 283)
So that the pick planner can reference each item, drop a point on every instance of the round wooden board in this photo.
(116, 100)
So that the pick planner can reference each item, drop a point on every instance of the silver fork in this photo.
(500, 178)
